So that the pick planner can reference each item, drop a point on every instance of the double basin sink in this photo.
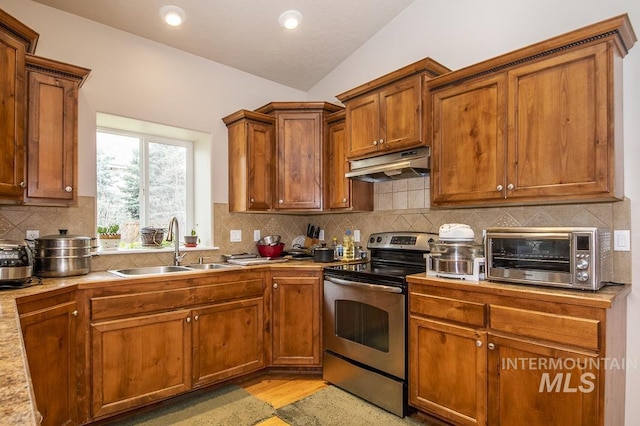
(161, 270)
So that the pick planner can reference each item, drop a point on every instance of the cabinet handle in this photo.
(23, 184)
(68, 189)
(499, 188)
(196, 318)
(275, 285)
(479, 343)
(75, 313)
(381, 141)
(491, 346)
(510, 186)
(375, 142)
(188, 319)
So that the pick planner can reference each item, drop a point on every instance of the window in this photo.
(143, 180)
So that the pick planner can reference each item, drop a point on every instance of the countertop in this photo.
(17, 405)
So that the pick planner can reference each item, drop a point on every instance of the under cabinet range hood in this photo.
(399, 165)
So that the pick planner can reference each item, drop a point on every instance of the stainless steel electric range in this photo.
(365, 319)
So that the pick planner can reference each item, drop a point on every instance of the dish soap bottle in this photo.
(348, 247)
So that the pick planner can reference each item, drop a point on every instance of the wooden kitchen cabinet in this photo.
(507, 354)
(49, 333)
(344, 193)
(301, 155)
(251, 161)
(16, 40)
(388, 114)
(541, 124)
(295, 318)
(52, 136)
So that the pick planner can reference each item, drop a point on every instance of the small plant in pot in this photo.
(191, 240)
(109, 236)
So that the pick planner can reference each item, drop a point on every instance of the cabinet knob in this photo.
(381, 141)
(510, 186)
(252, 200)
(344, 200)
(275, 285)
(23, 184)
(499, 188)
(68, 189)
(479, 343)
(188, 319)
(491, 346)
(74, 313)
(280, 201)
(196, 318)
(375, 142)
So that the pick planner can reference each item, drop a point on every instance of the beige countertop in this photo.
(17, 405)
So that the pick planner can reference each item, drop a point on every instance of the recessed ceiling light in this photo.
(172, 15)
(290, 19)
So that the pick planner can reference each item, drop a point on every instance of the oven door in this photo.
(365, 323)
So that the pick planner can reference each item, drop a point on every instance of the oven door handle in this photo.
(373, 287)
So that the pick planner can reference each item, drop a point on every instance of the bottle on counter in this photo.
(334, 245)
(348, 247)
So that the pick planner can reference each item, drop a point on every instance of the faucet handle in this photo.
(202, 258)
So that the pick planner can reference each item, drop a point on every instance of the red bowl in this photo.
(270, 251)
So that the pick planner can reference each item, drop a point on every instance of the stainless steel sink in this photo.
(211, 266)
(149, 270)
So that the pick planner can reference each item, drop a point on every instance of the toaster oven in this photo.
(577, 257)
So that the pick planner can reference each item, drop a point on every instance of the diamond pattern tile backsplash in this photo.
(399, 206)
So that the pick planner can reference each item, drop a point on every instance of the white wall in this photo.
(137, 78)
(462, 32)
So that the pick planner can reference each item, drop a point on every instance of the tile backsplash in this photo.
(401, 205)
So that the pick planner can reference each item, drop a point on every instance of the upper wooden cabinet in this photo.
(541, 124)
(344, 193)
(52, 137)
(251, 161)
(387, 114)
(16, 39)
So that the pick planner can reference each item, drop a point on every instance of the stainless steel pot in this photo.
(323, 254)
(454, 257)
(62, 255)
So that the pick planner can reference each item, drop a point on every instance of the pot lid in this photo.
(63, 236)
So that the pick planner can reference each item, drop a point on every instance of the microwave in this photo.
(576, 258)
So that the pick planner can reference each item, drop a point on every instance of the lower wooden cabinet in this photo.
(295, 319)
(510, 355)
(49, 334)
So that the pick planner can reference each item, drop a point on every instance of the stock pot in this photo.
(62, 255)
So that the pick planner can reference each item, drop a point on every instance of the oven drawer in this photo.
(460, 311)
(567, 330)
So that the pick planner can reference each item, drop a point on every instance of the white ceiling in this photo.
(245, 34)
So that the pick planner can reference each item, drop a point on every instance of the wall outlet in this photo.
(256, 234)
(32, 234)
(356, 235)
(321, 235)
(622, 240)
(236, 236)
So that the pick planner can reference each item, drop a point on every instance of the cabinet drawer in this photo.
(448, 309)
(567, 330)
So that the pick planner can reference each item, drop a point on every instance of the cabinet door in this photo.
(52, 140)
(363, 125)
(468, 142)
(260, 170)
(401, 115)
(534, 384)
(559, 123)
(338, 165)
(139, 360)
(448, 371)
(300, 161)
(12, 111)
(296, 320)
(227, 340)
(49, 340)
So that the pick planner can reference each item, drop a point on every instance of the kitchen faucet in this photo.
(175, 237)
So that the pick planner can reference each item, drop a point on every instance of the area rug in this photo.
(333, 406)
(230, 405)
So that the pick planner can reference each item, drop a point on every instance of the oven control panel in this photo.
(401, 240)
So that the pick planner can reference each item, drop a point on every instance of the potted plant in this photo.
(191, 240)
(109, 237)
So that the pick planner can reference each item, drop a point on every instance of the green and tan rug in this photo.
(233, 406)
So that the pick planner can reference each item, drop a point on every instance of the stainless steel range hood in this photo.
(400, 165)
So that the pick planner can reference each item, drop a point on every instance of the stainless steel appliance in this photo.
(456, 254)
(16, 262)
(578, 258)
(63, 255)
(398, 165)
(365, 319)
